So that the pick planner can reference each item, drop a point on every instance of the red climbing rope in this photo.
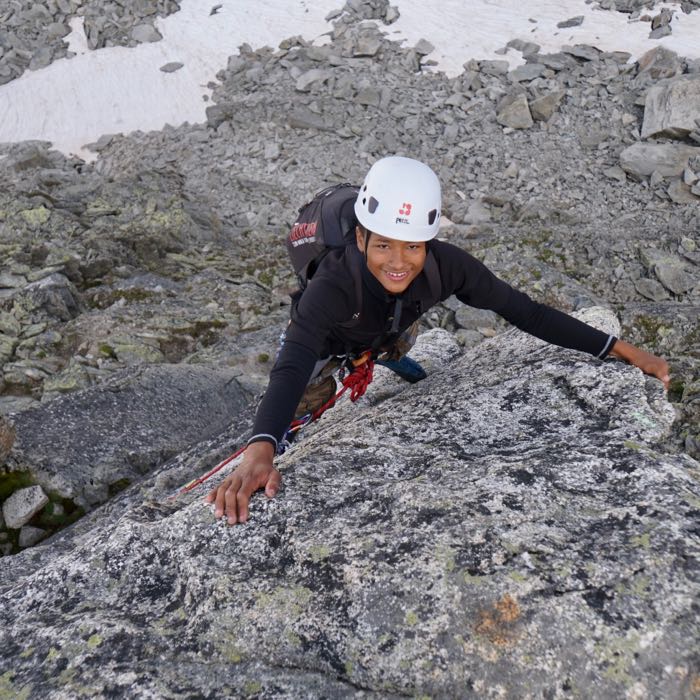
(356, 381)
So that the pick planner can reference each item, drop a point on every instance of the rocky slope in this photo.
(32, 33)
(510, 523)
(576, 177)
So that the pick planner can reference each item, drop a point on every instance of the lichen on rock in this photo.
(513, 506)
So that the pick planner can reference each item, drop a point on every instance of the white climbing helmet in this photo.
(400, 199)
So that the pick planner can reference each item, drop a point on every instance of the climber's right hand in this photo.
(255, 472)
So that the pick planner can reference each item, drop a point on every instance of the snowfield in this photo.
(74, 101)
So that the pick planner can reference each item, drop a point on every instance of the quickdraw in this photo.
(357, 381)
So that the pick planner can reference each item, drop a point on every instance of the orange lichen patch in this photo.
(498, 623)
(7, 438)
(695, 684)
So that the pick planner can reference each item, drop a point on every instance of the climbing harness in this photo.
(357, 379)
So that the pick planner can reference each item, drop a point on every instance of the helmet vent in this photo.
(432, 215)
(364, 200)
(373, 204)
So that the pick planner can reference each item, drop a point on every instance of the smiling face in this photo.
(394, 263)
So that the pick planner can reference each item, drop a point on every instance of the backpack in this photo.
(326, 222)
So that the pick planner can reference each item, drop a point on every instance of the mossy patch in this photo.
(252, 688)
(319, 552)
(118, 486)
(411, 618)
(643, 541)
(13, 481)
(8, 690)
(36, 217)
(94, 641)
(649, 329)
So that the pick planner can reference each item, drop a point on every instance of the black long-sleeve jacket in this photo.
(332, 318)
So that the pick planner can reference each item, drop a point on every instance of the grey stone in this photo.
(29, 536)
(656, 178)
(21, 506)
(272, 151)
(11, 281)
(675, 277)
(57, 30)
(573, 22)
(671, 108)
(145, 33)
(218, 114)
(544, 107)
(527, 48)
(15, 404)
(588, 53)
(528, 71)
(468, 339)
(614, 173)
(515, 114)
(556, 61)
(42, 57)
(305, 119)
(662, 19)
(306, 80)
(54, 295)
(81, 443)
(171, 67)
(651, 289)
(392, 14)
(494, 67)
(369, 96)
(367, 46)
(642, 159)
(681, 193)
(473, 319)
(661, 32)
(423, 47)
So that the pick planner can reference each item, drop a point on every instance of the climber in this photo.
(369, 295)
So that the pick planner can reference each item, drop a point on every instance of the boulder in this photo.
(84, 444)
(544, 107)
(23, 505)
(671, 108)
(582, 51)
(526, 72)
(53, 297)
(668, 159)
(29, 536)
(660, 63)
(675, 277)
(145, 33)
(508, 526)
(515, 113)
(311, 77)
